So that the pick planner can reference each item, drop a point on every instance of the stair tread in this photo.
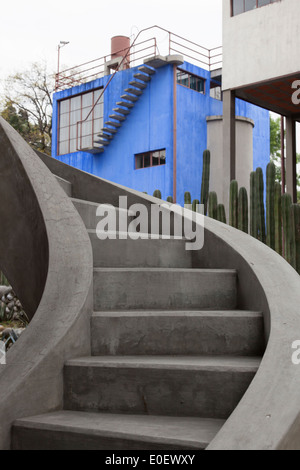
(184, 270)
(147, 69)
(144, 236)
(113, 123)
(129, 97)
(126, 104)
(118, 117)
(142, 76)
(180, 313)
(216, 363)
(96, 204)
(108, 130)
(134, 91)
(138, 84)
(193, 432)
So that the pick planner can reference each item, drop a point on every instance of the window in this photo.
(73, 110)
(191, 81)
(240, 6)
(149, 159)
(216, 90)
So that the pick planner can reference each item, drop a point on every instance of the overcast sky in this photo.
(31, 30)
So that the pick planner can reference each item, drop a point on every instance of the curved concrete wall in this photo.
(50, 243)
(244, 152)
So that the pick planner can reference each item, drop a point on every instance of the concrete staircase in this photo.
(131, 95)
(171, 355)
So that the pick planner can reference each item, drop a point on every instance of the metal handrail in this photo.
(209, 54)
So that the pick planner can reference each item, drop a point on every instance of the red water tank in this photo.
(119, 48)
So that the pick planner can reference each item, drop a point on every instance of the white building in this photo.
(261, 62)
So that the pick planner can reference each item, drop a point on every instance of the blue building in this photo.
(148, 129)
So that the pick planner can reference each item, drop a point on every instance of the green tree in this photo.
(275, 146)
(27, 105)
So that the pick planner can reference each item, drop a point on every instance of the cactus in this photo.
(295, 249)
(270, 215)
(286, 202)
(243, 210)
(157, 194)
(212, 205)
(260, 208)
(253, 223)
(278, 218)
(233, 204)
(196, 203)
(170, 199)
(205, 180)
(187, 198)
(221, 214)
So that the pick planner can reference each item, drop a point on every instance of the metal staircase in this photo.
(128, 99)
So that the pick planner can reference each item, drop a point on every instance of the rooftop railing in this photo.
(209, 59)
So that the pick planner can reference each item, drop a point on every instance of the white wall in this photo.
(260, 44)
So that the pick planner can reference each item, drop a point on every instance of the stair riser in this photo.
(88, 213)
(156, 222)
(114, 290)
(46, 439)
(65, 185)
(140, 253)
(184, 335)
(155, 391)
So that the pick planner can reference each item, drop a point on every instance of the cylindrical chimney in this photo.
(120, 46)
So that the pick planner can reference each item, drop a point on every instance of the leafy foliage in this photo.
(27, 105)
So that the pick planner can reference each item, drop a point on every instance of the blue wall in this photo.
(149, 127)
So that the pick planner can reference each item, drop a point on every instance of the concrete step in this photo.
(93, 150)
(88, 213)
(125, 104)
(105, 135)
(147, 69)
(101, 141)
(117, 252)
(138, 84)
(144, 77)
(108, 130)
(69, 430)
(195, 386)
(133, 91)
(164, 288)
(117, 117)
(129, 97)
(238, 333)
(113, 123)
(66, 185)
(122, 111)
